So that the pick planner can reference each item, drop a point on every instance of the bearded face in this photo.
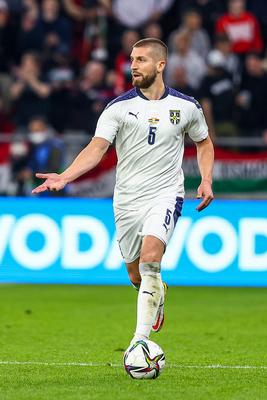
(144, 80)
(146, 66)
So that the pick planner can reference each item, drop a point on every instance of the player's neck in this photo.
(155, 91)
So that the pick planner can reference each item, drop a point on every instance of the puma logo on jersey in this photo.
(135, 115)
(151, 293)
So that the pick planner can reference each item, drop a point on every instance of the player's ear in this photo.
(161, 65)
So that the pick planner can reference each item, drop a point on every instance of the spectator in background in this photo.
(192, 22)
(251, 98)
(93, 83)
(153, 30)
(15, 6)
(94, 96)
(61, 75)
(30, 5)
(94, 87)
(30, 91)
(210, 10)
(46, 152)
(123, 63)
(81, 10)
(183, 56)
(7, 38)
(77, 105)
(20, 184)
(30, 33)
(241, 27)
(231, 61)
(56, 28)
(217, 97)
(6, 124)
(180, 82)
(135, 14)
(90, 25)
(7, 51)
(259, 8)
(7, 128)
(132, 15)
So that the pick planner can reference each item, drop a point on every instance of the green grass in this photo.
(61, 324)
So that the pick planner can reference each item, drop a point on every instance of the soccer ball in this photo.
(144, 360)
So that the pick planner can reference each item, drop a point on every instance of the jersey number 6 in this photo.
(152, 134)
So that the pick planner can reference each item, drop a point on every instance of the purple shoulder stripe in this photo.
(125, 96)
(175, 93)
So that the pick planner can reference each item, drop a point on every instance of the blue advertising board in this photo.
(74, 241)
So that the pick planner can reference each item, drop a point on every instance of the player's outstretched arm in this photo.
(205, 158)
(86, 160)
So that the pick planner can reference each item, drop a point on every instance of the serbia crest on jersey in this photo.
(175, 116)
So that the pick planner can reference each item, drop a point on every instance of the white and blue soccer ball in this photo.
(144, 360)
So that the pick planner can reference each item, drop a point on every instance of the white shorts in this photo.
(156, 219)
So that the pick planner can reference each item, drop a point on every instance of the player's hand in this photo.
(52, 182)
(204, 192)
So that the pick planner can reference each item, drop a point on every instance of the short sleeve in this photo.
(197, 126)
(108, 124)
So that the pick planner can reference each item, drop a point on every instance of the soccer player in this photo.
(148, 124)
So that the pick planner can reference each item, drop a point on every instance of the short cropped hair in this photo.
(156, 44)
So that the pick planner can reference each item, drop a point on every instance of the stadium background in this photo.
(61, 62)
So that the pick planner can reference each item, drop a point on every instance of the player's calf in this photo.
(149, 296)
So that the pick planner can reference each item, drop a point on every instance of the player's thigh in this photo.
(160, 222)
(128, 228)
(152, 249)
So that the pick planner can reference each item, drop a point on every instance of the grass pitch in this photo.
(67, 342)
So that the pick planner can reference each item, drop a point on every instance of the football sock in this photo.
(137, 287)
(162, 294)
(149, 296)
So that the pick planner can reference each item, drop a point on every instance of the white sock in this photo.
(149, 296)
(162, 297)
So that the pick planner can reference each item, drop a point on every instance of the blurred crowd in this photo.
(62, 61)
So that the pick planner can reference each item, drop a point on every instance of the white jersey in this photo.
(149, 138)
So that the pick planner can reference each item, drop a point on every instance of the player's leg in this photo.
(134, 274)
(157, 230)
(135, 278)
(151, 287)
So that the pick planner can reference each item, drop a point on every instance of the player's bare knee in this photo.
(150, 254)
(150, 257)
(152, 250)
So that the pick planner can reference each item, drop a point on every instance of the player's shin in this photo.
(148, 298)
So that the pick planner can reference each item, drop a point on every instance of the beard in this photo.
(144, 82)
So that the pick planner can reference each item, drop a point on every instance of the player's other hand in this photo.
(52, 182)
(204, 192)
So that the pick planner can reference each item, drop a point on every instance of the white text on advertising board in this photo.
(61, 243)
